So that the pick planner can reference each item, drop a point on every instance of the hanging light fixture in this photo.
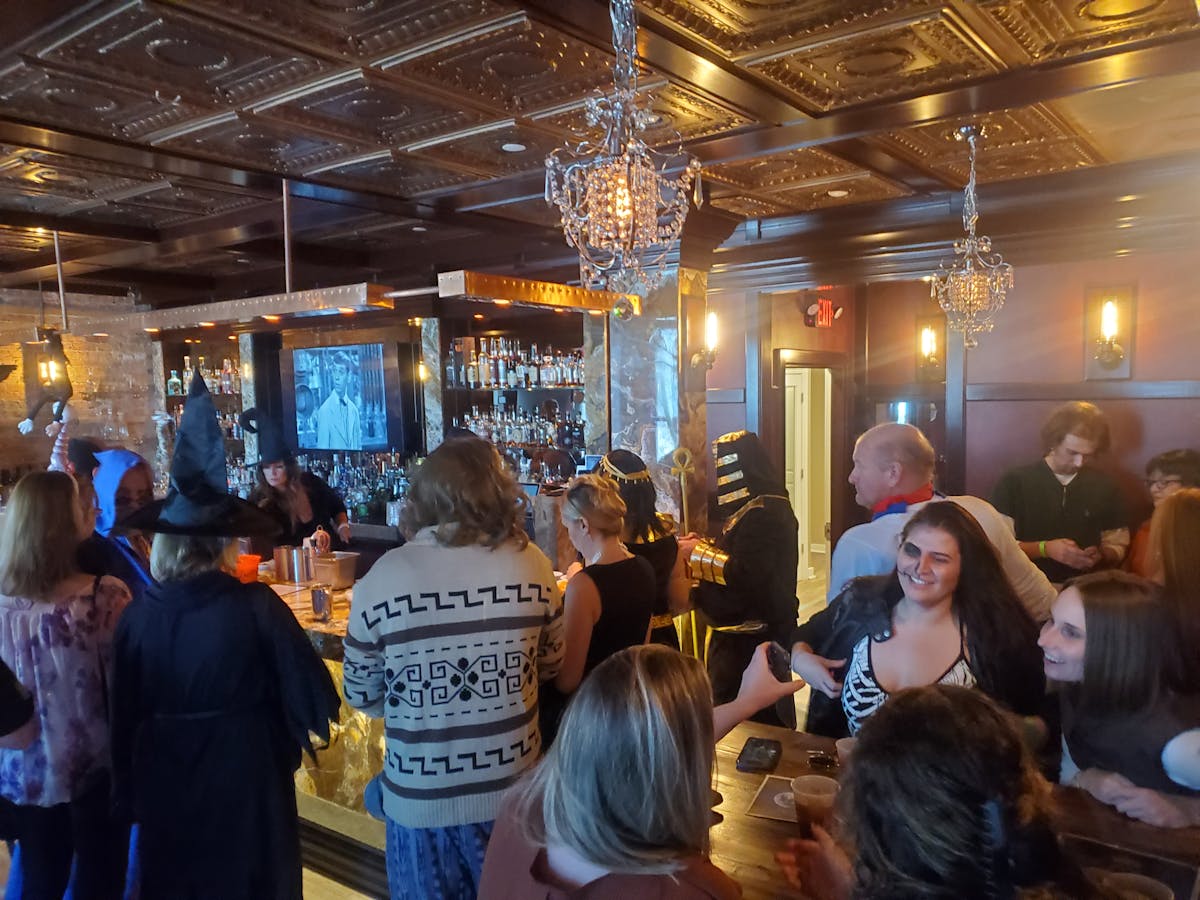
(972, 290)
(621, 207)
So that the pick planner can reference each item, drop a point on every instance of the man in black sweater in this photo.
(1069, 517)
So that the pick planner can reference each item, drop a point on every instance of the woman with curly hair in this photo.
(947, 615)
(448, 639)
(942, 801)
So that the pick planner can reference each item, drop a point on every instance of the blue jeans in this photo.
(436, 863)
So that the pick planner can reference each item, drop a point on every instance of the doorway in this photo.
(808, 404)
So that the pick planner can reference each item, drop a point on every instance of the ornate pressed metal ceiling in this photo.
(154, 135)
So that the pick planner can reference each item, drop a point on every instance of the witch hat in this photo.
(272, 446)
(198, 501)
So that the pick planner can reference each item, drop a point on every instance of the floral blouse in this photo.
(62, 653)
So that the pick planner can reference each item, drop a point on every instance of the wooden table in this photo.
(744, 846)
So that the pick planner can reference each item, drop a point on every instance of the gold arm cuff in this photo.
(662, 621)
(707, 563)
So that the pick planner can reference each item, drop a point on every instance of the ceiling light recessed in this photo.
(513, 147)
(208, 324)
(419, 228)
(345, 310)
(837, 193)
(270, 318)
(478, 315)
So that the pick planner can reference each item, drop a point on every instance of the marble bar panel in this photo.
(432, 386)
(249, 395)
(657, 397)
(595, 384)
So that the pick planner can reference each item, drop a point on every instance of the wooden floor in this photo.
(316, 887)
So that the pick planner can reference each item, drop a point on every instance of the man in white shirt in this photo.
(337, 419)
(893, 477)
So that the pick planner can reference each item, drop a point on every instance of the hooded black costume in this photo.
(215, 690)
(748, 577)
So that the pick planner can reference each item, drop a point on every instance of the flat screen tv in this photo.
(341, 399)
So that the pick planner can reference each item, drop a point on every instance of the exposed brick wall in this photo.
(112, 377)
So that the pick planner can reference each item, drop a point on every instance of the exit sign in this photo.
(822, 313)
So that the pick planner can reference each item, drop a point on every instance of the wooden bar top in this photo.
(328, 636)
(744, 846)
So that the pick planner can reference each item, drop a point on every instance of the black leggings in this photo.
(83, 830)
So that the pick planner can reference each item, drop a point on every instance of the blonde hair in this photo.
(174, 557)
(626, 784)
(465, 491)
(44, 507)
(597, 499)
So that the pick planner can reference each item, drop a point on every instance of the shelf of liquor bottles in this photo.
(516, 379)
(185, 361)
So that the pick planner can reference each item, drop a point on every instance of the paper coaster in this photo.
(774, 800)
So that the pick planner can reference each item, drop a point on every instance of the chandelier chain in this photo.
(973, 288)
(622, 203)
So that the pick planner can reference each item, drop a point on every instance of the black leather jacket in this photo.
(865, 608)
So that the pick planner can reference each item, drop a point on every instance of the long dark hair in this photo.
(1126, 626)
(265, 496)
(1174, 537)
(1001, 635)
(944, 801)
(642, 521)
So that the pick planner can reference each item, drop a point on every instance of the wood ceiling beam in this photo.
(71, 225)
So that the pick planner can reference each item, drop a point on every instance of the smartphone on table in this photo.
(759, 755)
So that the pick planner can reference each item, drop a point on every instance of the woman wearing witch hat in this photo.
(215, 691)
(300, 501)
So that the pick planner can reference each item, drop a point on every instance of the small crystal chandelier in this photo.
(620, 208)
(972, 290)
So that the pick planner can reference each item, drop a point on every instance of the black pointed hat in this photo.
(198, 501)
(272, 446)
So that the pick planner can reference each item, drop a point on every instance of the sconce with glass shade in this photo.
(708, 355)
(931, 342)
(1108, 324)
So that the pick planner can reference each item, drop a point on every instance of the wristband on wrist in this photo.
(1042, 549)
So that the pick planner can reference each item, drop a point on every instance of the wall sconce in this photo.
(422, 372)
(708, 355)
(1108, 335)
(931, 348)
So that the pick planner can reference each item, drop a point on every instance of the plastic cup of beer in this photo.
(814, 796)
(845, 748)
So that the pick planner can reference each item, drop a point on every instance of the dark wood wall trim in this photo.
(1090, 390)
(956, 414)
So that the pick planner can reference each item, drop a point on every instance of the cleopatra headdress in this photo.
(622, 477)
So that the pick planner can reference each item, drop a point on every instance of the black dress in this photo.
(215, 689)
(660, 553)
(326, 505)
(626, 598)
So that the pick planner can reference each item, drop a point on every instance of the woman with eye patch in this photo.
(947, 615)
(1104, 644)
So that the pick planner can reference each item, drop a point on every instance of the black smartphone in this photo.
(759, 755)
(780, 662)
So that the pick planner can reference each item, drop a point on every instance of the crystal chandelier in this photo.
(972, 290)
(620, 206)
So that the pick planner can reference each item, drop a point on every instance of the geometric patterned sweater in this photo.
(448, 646)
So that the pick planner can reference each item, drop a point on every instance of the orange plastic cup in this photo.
(247, 568)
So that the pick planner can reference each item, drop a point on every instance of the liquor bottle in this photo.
(235, 378)
(451, 380)
(174, 385)
(519, 368)
(473, 371)
(532, 369)
(226, 377)
(483, 366)
(502, 366)
(187, 374)
(547, 376)
(494, 368)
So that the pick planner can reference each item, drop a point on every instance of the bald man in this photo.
(893, 478)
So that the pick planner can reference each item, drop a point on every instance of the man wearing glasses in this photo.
(1068, 516)
(1165, 474)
